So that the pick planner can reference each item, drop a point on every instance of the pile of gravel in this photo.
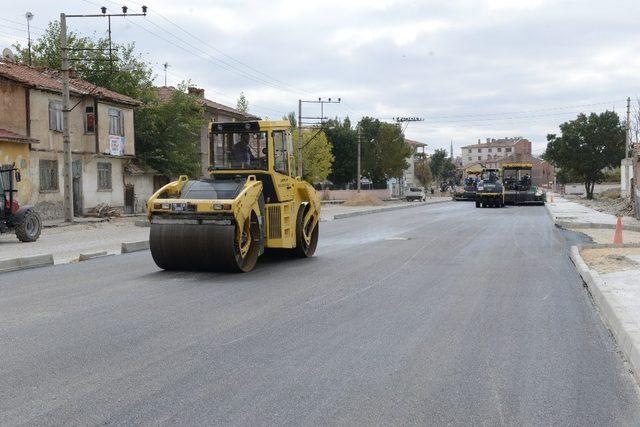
(608, 203)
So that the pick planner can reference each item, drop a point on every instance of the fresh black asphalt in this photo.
(436, 315)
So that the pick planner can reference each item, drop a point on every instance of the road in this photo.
(435, 315)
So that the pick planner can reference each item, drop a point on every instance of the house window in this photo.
(499, 149)
(48, 175)
(469, 150)
(55, 116)
(116, 123)
(89, 120)
(479, 157)
(489, 150)
(104, 176)
(508, 149)
(479, 150)
(470, 157)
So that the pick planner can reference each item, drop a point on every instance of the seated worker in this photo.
(241, 156)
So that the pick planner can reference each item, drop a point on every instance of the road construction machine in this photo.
(251, 201)
(468, 189)
(519, 189)
(24, 221)
(490, 191)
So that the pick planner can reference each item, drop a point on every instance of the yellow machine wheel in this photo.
(306, 237)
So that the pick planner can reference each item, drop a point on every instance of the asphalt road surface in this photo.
(435, 315)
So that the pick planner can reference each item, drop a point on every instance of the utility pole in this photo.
(300, 138)
(452, 150)
(628, 129)
(66, 136)
(301, 119)
(165, 65)
(359, 172)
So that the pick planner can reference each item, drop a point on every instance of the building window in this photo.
(469, 150)
(499, 149)
(116, 123)
(479, 157)
(470, 159)
(55, 116)
(89, 120)
(104, 176)
(489, 150)
(508, 149)
(479, 150)
(48, 175)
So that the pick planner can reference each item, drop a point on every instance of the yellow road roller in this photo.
(250, 202)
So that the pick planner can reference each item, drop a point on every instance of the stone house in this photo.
(101, 130)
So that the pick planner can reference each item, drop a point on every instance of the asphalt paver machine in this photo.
(519, 189)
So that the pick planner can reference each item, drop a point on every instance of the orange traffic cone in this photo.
(617, 237)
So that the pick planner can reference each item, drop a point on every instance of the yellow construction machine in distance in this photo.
(250, 201)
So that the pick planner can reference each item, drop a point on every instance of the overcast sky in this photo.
(471, 68)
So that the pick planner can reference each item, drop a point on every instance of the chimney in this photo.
(479, 140)
(488, 140)
(196, 91)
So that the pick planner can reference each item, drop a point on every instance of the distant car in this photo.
(415, 194)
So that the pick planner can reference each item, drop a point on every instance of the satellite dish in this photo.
(8, 54)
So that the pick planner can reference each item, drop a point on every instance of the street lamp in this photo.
(29, 17)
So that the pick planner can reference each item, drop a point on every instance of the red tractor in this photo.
(23, 220)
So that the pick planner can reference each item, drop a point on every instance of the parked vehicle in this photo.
(415, 194)
(24, 221)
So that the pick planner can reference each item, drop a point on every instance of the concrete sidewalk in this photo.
(568, 214)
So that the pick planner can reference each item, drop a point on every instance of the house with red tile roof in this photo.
(102, 138)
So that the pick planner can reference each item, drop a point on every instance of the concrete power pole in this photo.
(627, 139)
(300, 138)
(66, 137)
(358, 171)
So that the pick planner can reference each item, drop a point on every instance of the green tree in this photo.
(317, 157)
(291, 116)
(442, 168)
(586, 146)
(242, 104)
(168, 134)
(384, 151)
(128, 74)
(422, 171)
(344, 143)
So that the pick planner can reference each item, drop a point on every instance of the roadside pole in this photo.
(66, 138)
(300, 138)
(359, 151)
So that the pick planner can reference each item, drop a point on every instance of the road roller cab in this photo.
(249, 202)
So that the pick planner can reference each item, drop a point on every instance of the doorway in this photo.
(129, 199)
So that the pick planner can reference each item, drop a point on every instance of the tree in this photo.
(128, 74)
(168, 134)
(344, 143)
(317, 157)
(242, 104)
(422, 171)
(442, 168)
(384, 151)
(586, 146)
(291, 116)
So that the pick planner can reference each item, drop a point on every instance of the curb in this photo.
(88, 256)
(595, 225)
(380, 210)
(128, 247)
(26, 262)
(614, 317)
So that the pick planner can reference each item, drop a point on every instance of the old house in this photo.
(102, 138)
